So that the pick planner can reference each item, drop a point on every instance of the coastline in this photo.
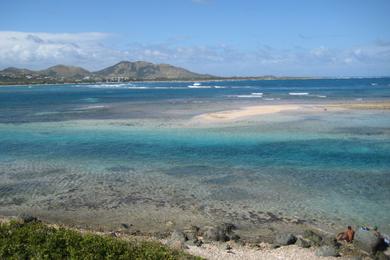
(228, 79)
(209, 249)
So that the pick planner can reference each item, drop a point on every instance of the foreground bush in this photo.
(36, 240)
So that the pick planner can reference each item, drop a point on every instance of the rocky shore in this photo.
(222, 241)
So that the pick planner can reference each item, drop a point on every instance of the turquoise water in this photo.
(112, 148)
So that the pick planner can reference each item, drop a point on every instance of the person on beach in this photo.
(347, 235)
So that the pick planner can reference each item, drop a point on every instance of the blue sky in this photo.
(301, 37)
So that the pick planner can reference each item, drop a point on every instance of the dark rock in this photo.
(192, 233)
(136, 233)
(330, 241)
(198, 243)
(235, 237)
(303, 243)
(223, 233)
(113, 234)
(285, 239)
(216, 234)
(326, 251)
(228, 227)
(124, 225)
(314, 238)
(367, 241)
(228, 247)
(27, 218)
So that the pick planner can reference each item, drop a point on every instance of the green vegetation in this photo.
(36, 240)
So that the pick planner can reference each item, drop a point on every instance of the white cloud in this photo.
(93, 51)
(39, 50)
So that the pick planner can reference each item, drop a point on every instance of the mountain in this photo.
(68, 72)
(122, 71)
(141, 70)
(16, 71)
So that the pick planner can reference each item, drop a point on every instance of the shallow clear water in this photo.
(109, 148)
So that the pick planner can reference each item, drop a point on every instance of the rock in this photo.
(235, 237)
(178, 235)
(125, 226)
(198, 243)
(228, 247)
(27, 218)
(177, 240)
(216, 234)
(192, 233)
(302, 243)
(381, 256)
(326, 251)
(330, 241)
(367, 241)
(223, 233)
(178, 245)
(387, 251)
(285, 239)
(314, 238)
(113, 234)
(228, 228)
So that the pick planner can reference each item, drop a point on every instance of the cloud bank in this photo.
(93, 51)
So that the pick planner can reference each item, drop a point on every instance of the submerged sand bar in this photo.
(233, 115)
(245, 112)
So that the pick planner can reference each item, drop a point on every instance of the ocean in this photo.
(117, 153)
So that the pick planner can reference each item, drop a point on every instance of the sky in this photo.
(220, 37)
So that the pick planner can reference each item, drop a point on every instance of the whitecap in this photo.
(196, 86)
(298, 93)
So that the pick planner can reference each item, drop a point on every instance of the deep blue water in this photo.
(312, 165)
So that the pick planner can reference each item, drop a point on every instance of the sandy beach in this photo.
(244, 112)
(253, 112)
(218, 252)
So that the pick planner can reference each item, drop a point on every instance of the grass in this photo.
(36, 240)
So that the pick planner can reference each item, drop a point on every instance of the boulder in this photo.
(326, 251)
(192, 232)
(27, 218)
(285, 239)
(178, 245)
(367, 241)
(178, 235)
(177, 240)
(314, 238)
(381, 256)
(330, 241)
(228, 228)
(216, 234)
(303, 243)
(234, 237)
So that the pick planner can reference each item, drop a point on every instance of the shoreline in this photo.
(209, 249)
(196, 80)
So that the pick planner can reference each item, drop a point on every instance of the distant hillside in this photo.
(16, 71)
(62, 71)
(141, 70)
(123, 71)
